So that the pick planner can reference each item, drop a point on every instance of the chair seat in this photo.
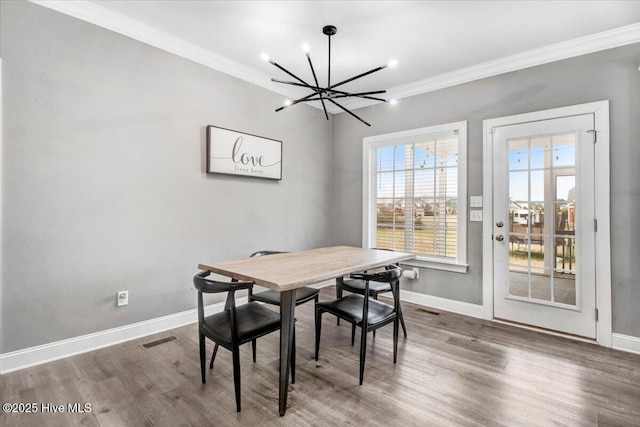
(254, 320)
(273, 297)
(349, 308)
(356, 285)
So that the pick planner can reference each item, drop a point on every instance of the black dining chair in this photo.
(233, 326)
(356, 286)
(364, 312)
(304, 294)
(272, 297)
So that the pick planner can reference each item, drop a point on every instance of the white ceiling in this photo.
(430, 39)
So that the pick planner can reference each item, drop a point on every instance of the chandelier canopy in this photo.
(329, 92)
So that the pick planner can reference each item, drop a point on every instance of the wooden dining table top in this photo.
(291, 270)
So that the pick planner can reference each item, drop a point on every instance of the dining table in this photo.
(286, 272)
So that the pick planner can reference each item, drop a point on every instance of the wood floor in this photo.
(452, 370)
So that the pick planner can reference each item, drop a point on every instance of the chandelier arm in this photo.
(360, 96)
(341, 92)
(317, 85)
(320, 98)
(382, 67)
(286, 82)
(304, 98)
(347, 111)
(289, 72)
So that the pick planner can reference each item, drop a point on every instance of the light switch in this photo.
(475, 201)
(476, 215)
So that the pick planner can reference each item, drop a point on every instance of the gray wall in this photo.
(103, 182)
(103, 186)
(611, 75)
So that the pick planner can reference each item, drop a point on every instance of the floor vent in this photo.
(431, 312)
(158, 342)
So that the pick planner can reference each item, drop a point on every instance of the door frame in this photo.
(600, 110)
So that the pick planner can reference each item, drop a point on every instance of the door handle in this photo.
(499, 238)
(499, 224)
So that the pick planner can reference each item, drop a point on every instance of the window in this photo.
(415, 194)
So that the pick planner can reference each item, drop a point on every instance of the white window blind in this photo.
(417, 188)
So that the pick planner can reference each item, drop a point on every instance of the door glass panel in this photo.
(565, 259)
(565, 188)
(542, 179)
(540, 284)
(537, 185)
(564, 288)
(564, 150)
(519, 154)
(537, 251)
(519, 186)
(540, 152)
(519, 283)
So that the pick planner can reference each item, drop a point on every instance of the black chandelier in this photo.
(328, 93)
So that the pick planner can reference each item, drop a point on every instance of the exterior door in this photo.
(544, 226)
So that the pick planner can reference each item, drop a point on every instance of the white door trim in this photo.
(600, 110)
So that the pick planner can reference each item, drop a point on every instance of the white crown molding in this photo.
(581, 46)
(118, 23)
(105, 18)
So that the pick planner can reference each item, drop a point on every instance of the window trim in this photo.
(369, 144)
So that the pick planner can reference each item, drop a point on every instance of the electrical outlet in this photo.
(122, 298)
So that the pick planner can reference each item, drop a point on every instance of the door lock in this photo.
(499, 224)
(499, 238)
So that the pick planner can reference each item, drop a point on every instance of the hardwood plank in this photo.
(452, 370)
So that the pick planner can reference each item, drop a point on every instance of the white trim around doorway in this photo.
(600, 110)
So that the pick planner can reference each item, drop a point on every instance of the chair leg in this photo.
(353, 334)
(293, 356)
(318, 328)
(404, 328)
(363, 352)
(395, 340)
(375, 297)
(213, 356)
(236, 375)
(253, 349)
(338, 296)
(203, 357)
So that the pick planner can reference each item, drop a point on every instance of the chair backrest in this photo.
(204, 285)
(391, 275)
(208, 286)
(263, 253)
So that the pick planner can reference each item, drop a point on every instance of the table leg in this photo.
(287, 312)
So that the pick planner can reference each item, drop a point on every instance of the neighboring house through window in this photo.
(415, 194)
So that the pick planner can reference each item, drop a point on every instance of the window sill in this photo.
(438, 265)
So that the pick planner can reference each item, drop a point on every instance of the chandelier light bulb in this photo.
(287, 102)
(305, 47)
(393, 102)
(392, 63)
(264, 56)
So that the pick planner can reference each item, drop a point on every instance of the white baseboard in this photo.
(37, 355)
(459, 307)
(40, 354)
(625, 343)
